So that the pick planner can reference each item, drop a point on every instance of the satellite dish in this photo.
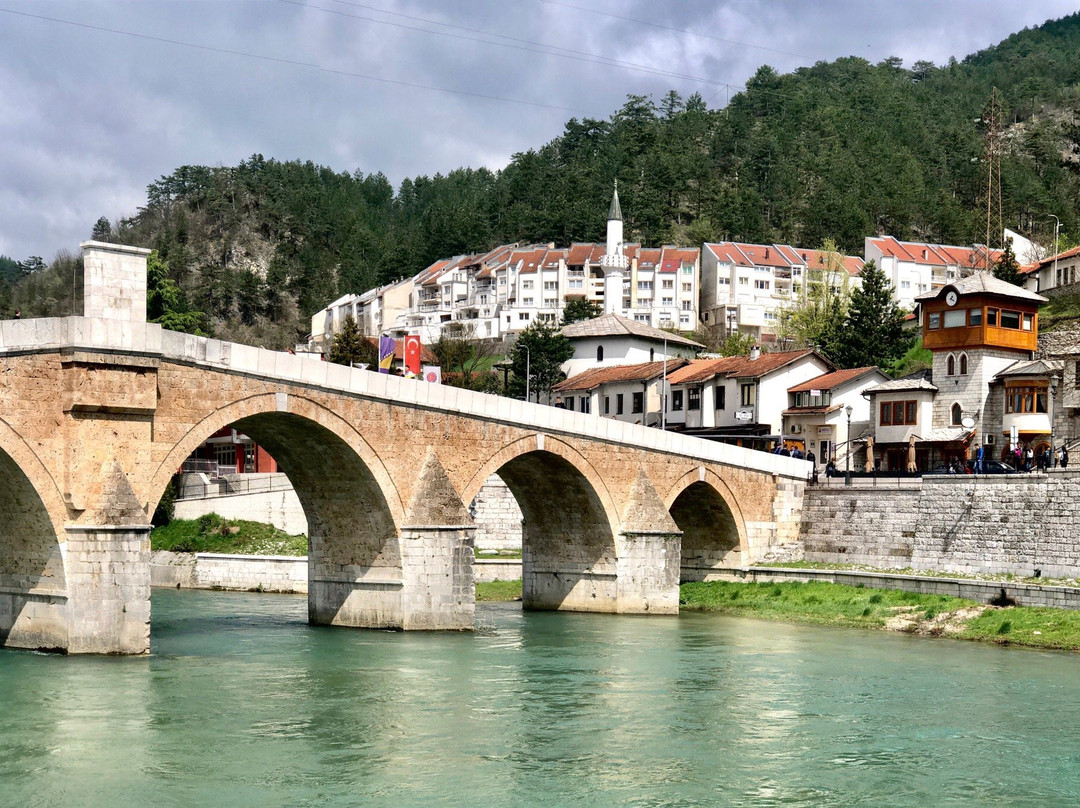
(967, 422)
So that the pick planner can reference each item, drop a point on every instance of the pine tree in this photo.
(102, 230)
(873, 332)
(579, 308)
(539, 351)
(350, 346)
(1008, 268)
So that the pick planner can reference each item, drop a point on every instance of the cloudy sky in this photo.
(98, 98)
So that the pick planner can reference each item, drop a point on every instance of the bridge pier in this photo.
(108, 579)
(649, 572)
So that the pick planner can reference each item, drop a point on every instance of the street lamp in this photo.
(1057, 227)
(847, 475)
(1052, 390)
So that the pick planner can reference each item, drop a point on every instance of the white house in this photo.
(613, 339)
(916, 268)
(739, 396)
(820, 409)
(630, 393)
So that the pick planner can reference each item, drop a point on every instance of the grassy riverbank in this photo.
(894, 610)
(212, 534)
(827, 604)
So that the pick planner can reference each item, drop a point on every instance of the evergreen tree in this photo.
(102, 230)
(579, 308)
(166, 303)
(350, 346)
(1007, 268)
(873, 332)
(539, 351)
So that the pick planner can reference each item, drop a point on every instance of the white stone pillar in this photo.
(114, 281)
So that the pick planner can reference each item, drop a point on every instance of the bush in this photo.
(166, 507)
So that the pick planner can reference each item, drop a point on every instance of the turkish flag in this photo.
(412, 353)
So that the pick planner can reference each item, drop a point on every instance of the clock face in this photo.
(950, 298)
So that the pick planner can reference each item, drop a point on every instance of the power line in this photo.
(532, 45)
(670, 28)
(291, 62)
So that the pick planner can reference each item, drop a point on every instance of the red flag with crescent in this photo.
(412, 353)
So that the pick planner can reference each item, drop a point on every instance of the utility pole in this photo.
(991, 119)
(1057, 227)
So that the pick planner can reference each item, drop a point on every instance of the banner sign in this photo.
(412, 354)
(386, 353)
(433, 373)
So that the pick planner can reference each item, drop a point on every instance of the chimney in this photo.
(755, 352)
(766, 253)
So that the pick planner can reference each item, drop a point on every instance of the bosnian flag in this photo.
(386, 353)
(412, 354)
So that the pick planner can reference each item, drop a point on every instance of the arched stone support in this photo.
(707, 515)
(648, 565)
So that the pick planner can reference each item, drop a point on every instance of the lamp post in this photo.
(528, 371)
(1052, 390)
(847, 475)
(1057, 227)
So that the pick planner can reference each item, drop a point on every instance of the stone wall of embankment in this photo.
(965, 524)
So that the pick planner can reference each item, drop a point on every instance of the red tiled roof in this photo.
(593, 378)
(578, 254)
(829, 381)
(780, 256)
(736, 367)
(935, 254)
(1029, 268)
(530, 260)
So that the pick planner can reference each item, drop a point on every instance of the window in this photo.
(1029, 322)
(528, 301)
(950, 366)
(963, 364)
(618, 403)
(721, 397)
(546, 318)
(992, 317)
(933, 320)
(551, 302)
(723, 281)
(599, 353)
(693, 398)
(898, 413)
(957, 414)
(761, 284)
(576, 284)
(676, 400)
(1025, 398)
(225, 454)
(1010, 319)
(956, 318)
(644, 286)
(585, 404)
(551, 286)
(641, 318)
(687, 269)
(637, 404)
(747, 395)
(607, 405)
(905, 284)
(974, 316)
(688, 287)
(526, 284)
(523, 315)
(667, 301)
(744, 281)
(688, 305)
(669, 284)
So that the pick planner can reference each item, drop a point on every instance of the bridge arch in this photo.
(32, 516)
(712, 524)
(569, 557)
(353, 509)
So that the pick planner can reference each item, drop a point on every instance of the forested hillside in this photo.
(839, 150)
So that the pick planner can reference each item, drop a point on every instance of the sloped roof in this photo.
(936, 254)
(1027, 269)
(1032, 367)
(737, 367)
(595, 377)
(615, 325)
(983, 283)
(830, 381)
(780, 256)
(915, 382)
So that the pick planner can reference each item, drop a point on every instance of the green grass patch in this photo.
(499, 590)
(1039, 627)
(814, 602)
(213, 534)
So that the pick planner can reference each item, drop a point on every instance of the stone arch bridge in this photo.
(98, 412)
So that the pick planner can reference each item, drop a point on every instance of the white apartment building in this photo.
(374, 312)
(505, 290)
(746, 287)
(915, 268)
(1053, 272)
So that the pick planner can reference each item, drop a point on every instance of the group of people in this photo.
(1023, 458)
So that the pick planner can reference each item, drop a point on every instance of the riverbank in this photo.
(832, 604)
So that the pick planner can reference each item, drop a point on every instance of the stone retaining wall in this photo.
(966, 524)
(241, 573)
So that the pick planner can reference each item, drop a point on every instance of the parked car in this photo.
(994, 467)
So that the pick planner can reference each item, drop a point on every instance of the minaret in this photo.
(614, 263)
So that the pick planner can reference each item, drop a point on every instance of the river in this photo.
(243, 704)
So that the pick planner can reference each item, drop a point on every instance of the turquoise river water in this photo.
(243, 704)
